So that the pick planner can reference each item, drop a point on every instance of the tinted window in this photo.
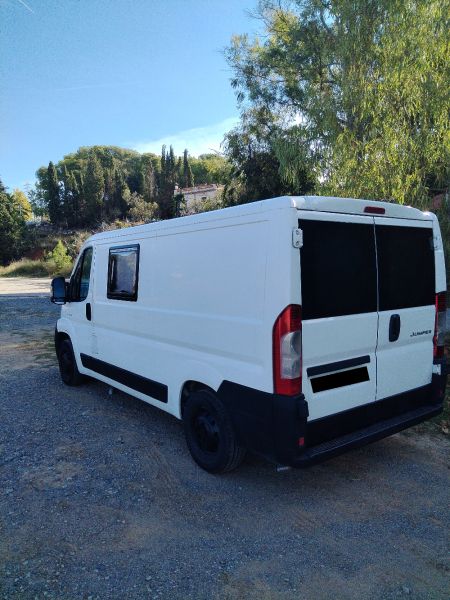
(406, 266)
(123, 272)
(338, 269)
(79, 282)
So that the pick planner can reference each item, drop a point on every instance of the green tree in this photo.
(12, 227)
(55, 207)
(188, 178)
(139, 210)
(179, 172)
(147, 186)
(67, 197)
(167, 184)
(358, 87)
(94, 189)
(23, 204)
(257, 172)
(210, 168)
(121, 195)
(60, 258)
(76, 200)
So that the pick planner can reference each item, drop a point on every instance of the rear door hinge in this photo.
(297, 238)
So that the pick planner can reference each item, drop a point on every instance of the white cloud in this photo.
(198, 140)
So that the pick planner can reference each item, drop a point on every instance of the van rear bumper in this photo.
(365, 435)
(277, 427)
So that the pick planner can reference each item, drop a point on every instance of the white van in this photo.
(297, 327)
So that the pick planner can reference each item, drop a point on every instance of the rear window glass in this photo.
(406, 266)
(338, 269)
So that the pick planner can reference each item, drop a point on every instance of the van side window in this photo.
(338, 269)
(79, 282)
(123, 271)
(405, 266)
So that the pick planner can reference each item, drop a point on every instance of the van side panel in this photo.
(201, 309)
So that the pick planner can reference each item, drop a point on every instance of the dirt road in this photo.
(24, 286)
(99, 499)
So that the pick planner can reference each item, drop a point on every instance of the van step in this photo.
(367, 435)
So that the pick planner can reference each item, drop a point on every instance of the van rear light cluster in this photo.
(440, 325)
(287, 351)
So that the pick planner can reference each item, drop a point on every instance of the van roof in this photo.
(317, 203)
(359, 207)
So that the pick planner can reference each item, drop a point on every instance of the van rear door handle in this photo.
(394, 328)
(88, 311)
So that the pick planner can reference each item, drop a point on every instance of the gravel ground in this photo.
(99, 499)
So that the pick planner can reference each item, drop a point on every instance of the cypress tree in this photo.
(167, 184)
(188, 178)
(172, 165)
(55, 209)
(179, 172)
(163, 160)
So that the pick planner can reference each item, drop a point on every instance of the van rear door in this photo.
(339, 311)
(406, 281)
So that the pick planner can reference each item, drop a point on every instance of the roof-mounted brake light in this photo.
(375, 210)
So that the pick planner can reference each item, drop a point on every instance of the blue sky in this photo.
(132, 73)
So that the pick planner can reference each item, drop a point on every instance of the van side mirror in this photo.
(58, 291)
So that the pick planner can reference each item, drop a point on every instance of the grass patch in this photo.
(34, 268)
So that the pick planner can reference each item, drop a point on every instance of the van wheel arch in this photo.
(60, 336)
(188, 388)
(209, 431)
(67, 362)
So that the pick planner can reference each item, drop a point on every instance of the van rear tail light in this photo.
(440, 325)
(287, 351)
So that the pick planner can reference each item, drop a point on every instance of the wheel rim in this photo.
(66, 364)
(206, 431)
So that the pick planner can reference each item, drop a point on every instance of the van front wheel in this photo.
(68, 365)
(209, 433)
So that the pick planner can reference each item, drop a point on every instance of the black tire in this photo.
(209, 433)
(67, 364)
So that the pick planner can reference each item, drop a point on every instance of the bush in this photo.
(204, 205)
(59, 260)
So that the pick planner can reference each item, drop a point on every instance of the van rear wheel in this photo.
(209, 433)
(68, 365)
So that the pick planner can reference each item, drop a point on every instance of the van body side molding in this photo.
(151, 388)
(337, 366)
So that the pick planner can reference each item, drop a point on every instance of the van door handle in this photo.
(88, 311)
(394, 328)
